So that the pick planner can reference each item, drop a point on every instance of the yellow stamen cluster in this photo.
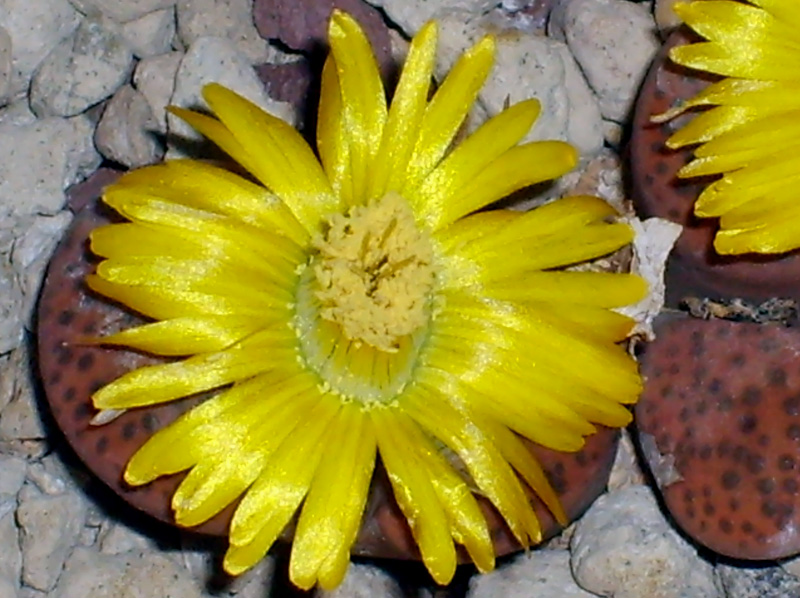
(375, 273)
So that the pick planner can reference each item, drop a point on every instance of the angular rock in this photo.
(613, 42)
(38, 160)
(35, 29)
(757, 582)
(212, 59)
(17, 113)
(539, 67)
(132, 574)
(12, 314)
(7, 589)
(20, 419)
(623, 547)
(50, 526)
(303, 24)
(12, 476)
(151, 34)
(5, 67)
(127, 130)
(365, 581)
(410, 15)
(122, 11)
(117, 538)
(10, 554)
(541, 573)
(154, 78)
(84, 69)
(228, 19)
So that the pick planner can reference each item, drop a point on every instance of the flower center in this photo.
(364, 301)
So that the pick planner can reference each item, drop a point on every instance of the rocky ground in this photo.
(85, 82)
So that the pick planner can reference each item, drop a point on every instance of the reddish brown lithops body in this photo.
(695, 268)
(719, 423)
(71, 370)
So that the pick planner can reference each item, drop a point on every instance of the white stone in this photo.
(12, 316)
(613, 42)
(151, 34)
(84, 69)
(7, 589)
(5, 67)
(12, 476)
(212, 59)
(116, 538)
(410, 15)
(127, 130)
(122, 11)
(228, 19)
(17, 113)
(365, 581)
(665, 17)
(529, 66)
(35, 27)
(10, 554)
(256, 582)
(129, 575)
(155, 79)
(36, 239)
(540, 573)
(39, 160)
(623, 547)
(50, 528)
(757, 581)
(20, 419)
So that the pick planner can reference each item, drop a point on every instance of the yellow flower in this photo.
(752, 134)
(360, 306)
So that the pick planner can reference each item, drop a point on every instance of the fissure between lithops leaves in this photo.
(364, 300)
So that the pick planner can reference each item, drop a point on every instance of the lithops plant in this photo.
(695, 269)
(719, 424)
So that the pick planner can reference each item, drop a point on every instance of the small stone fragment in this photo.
(151, 34)
(5, 67)
(10, 554)
(50, 528)
(303, 24)
(154, 78)
(12, 475)
(20, 419)
(38, 160)
(116, 538)
(84, 69)
(719, 422)
(757, 582)
(122, 11)
(613, 42)
(666, 19)
(35, 29)
(541, 68)
(410, 15)
(541, 573)
(134, 574)
(228, 19)
(365, 581)
(127, 130)
(623, 547)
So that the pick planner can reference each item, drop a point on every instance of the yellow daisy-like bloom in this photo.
(752, 134)
(359, 306)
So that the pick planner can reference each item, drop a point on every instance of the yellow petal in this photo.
(277, 493)
(331, 515)
(160, 383)
(456, 172)
(279, 156)
(332, 138)
(405, 115)
(448, 109)
(415, 495)
(519, 167)
(363, 98)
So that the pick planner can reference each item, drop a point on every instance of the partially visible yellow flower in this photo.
(358, 305)
(752, 135)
